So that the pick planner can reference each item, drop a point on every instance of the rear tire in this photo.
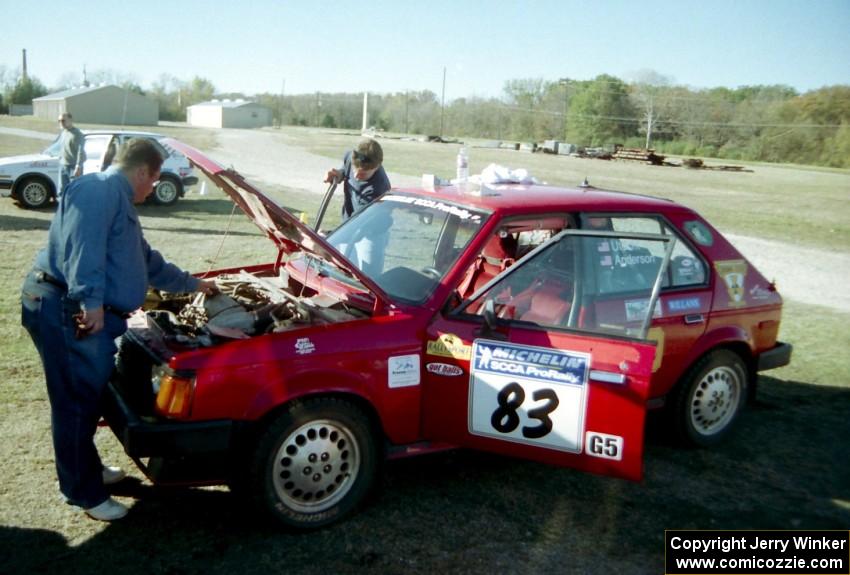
(711, 396)
(315, 464)
(34, 192)
(167, 191)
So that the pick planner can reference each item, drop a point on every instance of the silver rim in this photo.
(34, 194)
(715, 400)
(166, 191)
(316, 466)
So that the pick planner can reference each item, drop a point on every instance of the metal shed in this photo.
(99, 105)
(229, 114)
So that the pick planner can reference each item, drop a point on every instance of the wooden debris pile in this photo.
(648, 156)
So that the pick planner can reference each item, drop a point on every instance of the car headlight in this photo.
(174, 391)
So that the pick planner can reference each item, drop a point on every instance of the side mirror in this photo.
(489, 327)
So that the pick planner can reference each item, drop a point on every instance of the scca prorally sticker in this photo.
(531, 395)
(461, 213)
(303, 346)
(445, 369)
(403, 370)
(636, 309)
(449, 345)
(603, 445)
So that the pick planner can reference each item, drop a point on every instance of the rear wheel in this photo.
(167, 191)
(34, 192)
(315, 464)
(710, 398)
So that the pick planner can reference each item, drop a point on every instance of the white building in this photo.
(229, 114)
(99, 105)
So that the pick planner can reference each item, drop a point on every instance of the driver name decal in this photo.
(530, 395)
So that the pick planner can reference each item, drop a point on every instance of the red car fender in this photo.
(729, 336)
(396, 412)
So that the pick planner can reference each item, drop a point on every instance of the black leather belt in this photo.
(44, 277)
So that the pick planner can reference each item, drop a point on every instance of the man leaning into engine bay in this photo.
(94, 271)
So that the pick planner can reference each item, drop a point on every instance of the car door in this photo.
(524, 369)
(95, 147)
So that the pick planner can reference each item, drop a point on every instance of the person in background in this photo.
(362, 175)
(72, 152)
(94, 271)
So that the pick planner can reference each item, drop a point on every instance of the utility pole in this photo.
(443, 103)
(565, 82)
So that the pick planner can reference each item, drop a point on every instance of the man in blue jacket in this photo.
(94, 271)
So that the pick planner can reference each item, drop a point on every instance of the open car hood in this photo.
(285, 230)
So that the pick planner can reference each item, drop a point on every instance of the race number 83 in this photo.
(540, 413)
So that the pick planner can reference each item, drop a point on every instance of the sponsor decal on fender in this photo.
(449, 345)
(734, 274)
(444, 369)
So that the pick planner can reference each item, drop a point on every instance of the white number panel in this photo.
(531, 395)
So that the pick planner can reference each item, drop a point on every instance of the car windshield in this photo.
(53, 149)
(406, 244)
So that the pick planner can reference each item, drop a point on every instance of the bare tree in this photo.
(648, 92)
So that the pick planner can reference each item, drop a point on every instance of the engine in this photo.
(246, 305)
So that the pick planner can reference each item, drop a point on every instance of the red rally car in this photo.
(526, 320)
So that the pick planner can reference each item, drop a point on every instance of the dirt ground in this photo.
(805, 275)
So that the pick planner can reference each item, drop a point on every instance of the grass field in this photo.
(786, 467)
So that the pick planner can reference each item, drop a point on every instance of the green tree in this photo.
(26, 89)
(601, 112)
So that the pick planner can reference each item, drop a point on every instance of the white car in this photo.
(32, 180)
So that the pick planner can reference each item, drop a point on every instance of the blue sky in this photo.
(390, 46)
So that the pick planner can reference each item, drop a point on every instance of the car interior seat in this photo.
(498, 254)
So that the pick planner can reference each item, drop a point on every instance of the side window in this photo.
(513, 240)
(685, 269)
(564, 285)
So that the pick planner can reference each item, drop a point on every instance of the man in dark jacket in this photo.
(362, 175)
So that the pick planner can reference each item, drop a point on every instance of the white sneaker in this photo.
(113, 475)
(109, 510)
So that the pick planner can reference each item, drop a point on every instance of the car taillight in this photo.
(174, 398)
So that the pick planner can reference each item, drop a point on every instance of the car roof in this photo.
(122, 133)
(521, 198)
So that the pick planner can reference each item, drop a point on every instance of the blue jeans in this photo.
(77, 371)
(66, 174)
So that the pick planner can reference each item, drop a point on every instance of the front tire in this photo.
(167, 191)
(314, 464)
(34, 193)
(710, 398)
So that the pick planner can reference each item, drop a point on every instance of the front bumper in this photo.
(194, 453)
(777, 356)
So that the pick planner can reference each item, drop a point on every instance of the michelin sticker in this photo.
(403, 370)
(530, 395)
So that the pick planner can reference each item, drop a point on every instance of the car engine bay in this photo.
(247, 305)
